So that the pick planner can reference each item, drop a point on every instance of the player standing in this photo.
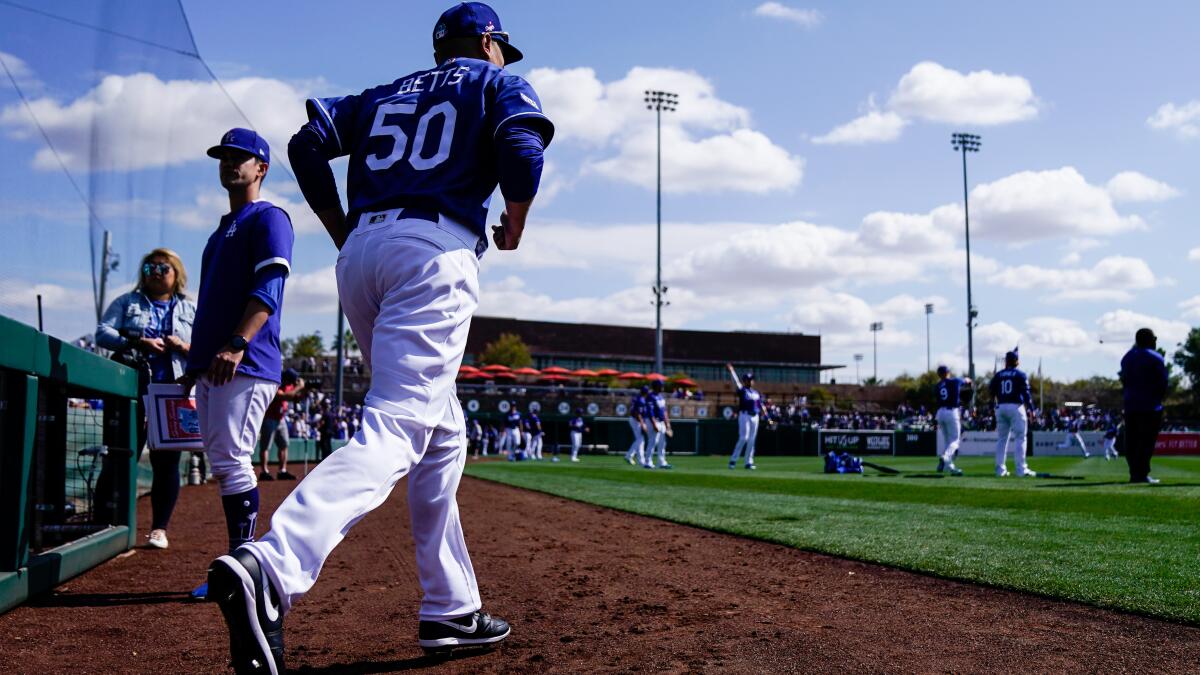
(1110, 441)
(637, 422)
(533, 427)
(948, 392)
(510, 440)
(235, 360)
(656, 404)
(426, 153)
(1011, 394)
(749, 406)
(577, 428)
(274, 426)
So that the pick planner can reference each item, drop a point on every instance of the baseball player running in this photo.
(1010, 391)
(1073, 437)
(426, 154)
(660, 421)
(578, 428)
(234, 362)
(948, 391)
(637, 422)
(749, 406)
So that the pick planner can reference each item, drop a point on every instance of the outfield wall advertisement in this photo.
(856, 442)
(1178, 444)
(1056, 443)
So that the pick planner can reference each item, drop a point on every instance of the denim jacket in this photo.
(132, 312)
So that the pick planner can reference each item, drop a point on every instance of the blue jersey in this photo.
(749, 400)
(657, 406)
(513, 421)
(947, 392)
(637, 406)
(533, 423)
(426, 140)
(257, 236)
(1011, 386)
(576, 424)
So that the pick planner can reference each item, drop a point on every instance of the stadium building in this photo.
(775, 358)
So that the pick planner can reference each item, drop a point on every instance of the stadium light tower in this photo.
(857, 376)
(965, 143)
(928, 360)
(659, 101)
(875, 328)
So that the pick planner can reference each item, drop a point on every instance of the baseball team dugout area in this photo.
(68, 479)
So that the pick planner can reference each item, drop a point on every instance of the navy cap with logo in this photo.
(243, 139)
(470, 19)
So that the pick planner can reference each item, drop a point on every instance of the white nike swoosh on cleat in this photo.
(466, 629)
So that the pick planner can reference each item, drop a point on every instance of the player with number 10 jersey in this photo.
(426, 141)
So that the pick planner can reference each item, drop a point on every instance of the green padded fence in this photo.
(66, 417)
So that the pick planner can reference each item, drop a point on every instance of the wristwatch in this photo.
(238, 343)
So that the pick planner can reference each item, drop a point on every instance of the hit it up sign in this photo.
(856, 442)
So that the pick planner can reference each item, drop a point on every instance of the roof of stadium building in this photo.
(576, 340)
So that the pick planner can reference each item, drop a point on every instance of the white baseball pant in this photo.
(1110, 448)
(536, 443)
(659, 443)
(230, 418)
(638, 447)
(950, 429)
(576, 443)
(1010, 420)
(747, 433)
(409, 289)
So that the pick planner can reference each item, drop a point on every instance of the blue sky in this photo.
(809, 180)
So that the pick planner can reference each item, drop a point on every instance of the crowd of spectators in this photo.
(317, 418)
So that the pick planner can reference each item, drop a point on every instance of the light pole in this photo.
(857, 376)
(965, 143)
(928, 360)
(658, 101)
(875, 328)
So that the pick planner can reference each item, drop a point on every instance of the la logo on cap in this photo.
(439, 32)
(228, 138)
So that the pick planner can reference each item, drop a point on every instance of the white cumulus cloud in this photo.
(1119, 326)
(1114, 278)
(132, 122)
(873, 127)
(1183, 120)
(1131, 186)
(1191, 307)
(806, 18)
(708, 143)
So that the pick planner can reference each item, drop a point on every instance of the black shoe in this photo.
(250, 606)
(941, 465)
(265, 476)
(470, 630)
(285, 475)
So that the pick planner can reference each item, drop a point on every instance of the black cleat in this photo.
(285, 475)
(265, 476)
(941, 465)
(250, 606)
(472, 630)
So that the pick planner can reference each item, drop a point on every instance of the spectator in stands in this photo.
(150, 328)
(1144, 379)
(274, 430)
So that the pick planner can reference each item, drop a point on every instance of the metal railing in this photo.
(66, 418)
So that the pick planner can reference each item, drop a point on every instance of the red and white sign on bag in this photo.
(171, 419)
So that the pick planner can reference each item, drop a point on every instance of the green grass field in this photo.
(1099, 540)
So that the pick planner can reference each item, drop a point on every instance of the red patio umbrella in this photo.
(631, 376)
(504, 376)
(496, 368)
(584, 372)
(474, 376)
(656, 376)
(607, 372)
(556, 370)
(527, 371)
(467, 369)
(685, 382)
(555, 378)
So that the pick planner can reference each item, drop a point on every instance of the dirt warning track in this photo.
(586, 589)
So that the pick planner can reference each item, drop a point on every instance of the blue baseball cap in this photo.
(246, 140)
(470, 19)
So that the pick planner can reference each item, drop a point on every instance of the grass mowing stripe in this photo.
(1069, 543)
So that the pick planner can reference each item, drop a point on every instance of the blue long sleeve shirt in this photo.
(1144, 376)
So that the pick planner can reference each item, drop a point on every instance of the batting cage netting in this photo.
(106, 110)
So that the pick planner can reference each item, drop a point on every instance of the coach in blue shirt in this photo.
(235, 358)
(1144, 377)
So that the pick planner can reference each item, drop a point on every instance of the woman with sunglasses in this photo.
(150, 328)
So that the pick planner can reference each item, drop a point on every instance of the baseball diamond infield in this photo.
(587, 589)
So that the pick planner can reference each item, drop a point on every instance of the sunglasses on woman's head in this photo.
(155, 268)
